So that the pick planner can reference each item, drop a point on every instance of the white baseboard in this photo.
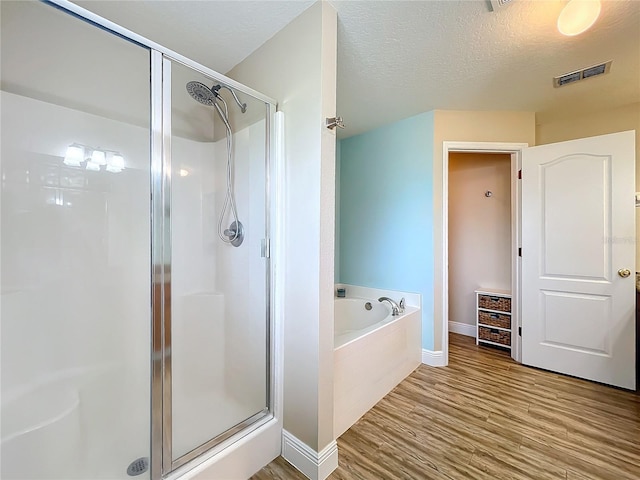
(463, 329)
(433, 358)
(315, 465)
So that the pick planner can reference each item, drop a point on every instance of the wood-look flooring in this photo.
(487, 417)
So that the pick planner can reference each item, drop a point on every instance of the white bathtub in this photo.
(373, 352)
(353, 319)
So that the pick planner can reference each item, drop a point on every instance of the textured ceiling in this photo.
(395, 58)
(400, 58)
(216, 33)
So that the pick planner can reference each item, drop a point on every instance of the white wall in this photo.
(297, 67)
(479, 229)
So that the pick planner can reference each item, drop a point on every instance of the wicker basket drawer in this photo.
(494, 319)
(502, 304)
(503, 337)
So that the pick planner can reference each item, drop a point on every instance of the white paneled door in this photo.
(578, 258)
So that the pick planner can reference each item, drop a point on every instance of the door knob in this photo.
(624, 272)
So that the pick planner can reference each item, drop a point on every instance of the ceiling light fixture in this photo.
(578, 16)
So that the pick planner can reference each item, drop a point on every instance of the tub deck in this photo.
(368, 367)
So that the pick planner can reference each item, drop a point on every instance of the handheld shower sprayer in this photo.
(234, 235)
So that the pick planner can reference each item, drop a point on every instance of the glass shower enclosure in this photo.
(216, 376)
(136, 333)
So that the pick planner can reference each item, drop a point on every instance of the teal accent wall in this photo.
(336, 263)
(386, 211)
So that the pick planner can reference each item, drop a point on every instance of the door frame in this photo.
(515, 150)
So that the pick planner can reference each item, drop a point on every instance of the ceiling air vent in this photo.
(578, 75)
(496, 4)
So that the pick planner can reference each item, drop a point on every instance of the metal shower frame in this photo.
(162, 463)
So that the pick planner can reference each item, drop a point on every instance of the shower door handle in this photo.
(265, 248)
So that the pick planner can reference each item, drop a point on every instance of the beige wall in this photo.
(479, 229)
(600, 123)
(463, 126)
(326, 203)
(298, 68)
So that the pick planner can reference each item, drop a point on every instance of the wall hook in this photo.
(334, 122)
(488, 193)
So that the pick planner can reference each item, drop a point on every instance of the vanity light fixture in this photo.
(92, 166)
(74, 155)
(578, 16)
(93, 158)
(99, 157)
(115, 163)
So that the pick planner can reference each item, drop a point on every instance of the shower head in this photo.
(207, 96)
(201, 93)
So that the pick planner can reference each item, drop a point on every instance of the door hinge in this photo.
(265, 248)
(519, 251)
(520, 331)
(519, 174)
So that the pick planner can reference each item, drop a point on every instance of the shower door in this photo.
(75, 266)
(212, 290)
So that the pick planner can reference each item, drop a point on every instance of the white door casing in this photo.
(578, 231)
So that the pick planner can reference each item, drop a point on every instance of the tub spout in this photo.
(395, 308)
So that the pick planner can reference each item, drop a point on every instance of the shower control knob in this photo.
(235, 233)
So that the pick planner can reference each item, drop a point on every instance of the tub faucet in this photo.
(395, 308)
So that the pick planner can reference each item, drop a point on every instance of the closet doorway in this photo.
(480, 246)
(482, 238)
(542, 250)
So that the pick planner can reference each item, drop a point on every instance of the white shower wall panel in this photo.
(193, 217)
(197, 322)
(197, 325)
(218, 291)
(75, 282)
(242, 271)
